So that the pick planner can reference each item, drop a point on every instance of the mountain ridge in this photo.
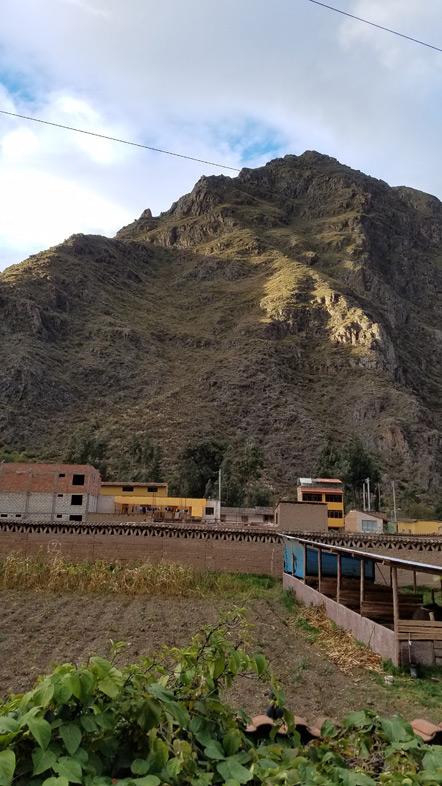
(296, 298)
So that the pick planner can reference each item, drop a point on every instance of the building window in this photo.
(152, 489)
(59, 516)
(335, 514)
(309, 497)
(78, 480)
(210, 511)
(368, 525)
(75, 518)
(128, 488)
(59, 495)
(18, 515)
(61, 475)
(333, 497)
(76, 499)
(4, 515)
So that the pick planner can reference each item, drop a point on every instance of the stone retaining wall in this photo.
(235, 550)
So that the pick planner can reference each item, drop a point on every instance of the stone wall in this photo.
(235, 550)
(214, 547)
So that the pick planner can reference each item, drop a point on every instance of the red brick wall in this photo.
(45, 478)
(204, 548)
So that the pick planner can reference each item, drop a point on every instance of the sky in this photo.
(237, 82)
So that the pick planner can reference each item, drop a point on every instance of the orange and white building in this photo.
(328, 490)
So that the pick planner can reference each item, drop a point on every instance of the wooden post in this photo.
(414, 582)
(319, 569)
(305, 562)
(395, 610)
(338, 583)
(362, 588)
(395, 596)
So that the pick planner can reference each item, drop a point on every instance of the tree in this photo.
(88, 445)
(240, 475)
(199, 468)
(360, 466)
(141, 449)
(156, 467)
(9, 454)
(260, 496)
(438, 509)
(199, 465)
(330, 462)
(248, 467)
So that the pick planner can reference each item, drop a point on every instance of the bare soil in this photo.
(38, 629)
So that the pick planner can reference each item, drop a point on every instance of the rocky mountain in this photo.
(295, 298)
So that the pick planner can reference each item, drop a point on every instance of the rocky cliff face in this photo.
(294, 298)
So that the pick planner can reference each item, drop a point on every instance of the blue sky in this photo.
(237, 82)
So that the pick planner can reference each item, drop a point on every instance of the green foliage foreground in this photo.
(165, 721)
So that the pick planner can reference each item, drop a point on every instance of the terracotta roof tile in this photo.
(262, 725)
(428, 731)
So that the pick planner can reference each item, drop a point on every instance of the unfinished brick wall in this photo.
(203, 548)
(45, 490)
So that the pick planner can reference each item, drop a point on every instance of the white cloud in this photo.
(222, 81)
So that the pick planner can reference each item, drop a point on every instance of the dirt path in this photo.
(38, 629)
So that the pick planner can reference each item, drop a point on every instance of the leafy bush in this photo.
(164, 721)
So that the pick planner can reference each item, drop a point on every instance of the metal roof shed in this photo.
(343, 580)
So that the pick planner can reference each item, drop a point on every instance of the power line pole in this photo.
(363, 495)
(219, 491)
(394, 502)
(368, 494)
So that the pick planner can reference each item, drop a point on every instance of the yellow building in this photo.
(155, 490)
(149, 499)
(328, 490)
(416, 527)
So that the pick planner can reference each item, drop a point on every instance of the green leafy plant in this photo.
(164, 721)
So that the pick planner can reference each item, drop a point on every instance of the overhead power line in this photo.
(122, 141)
(373, 24)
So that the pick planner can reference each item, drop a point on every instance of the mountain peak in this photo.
(269, 307)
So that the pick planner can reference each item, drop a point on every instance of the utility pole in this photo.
(379, 496)
(368, 494)
(394, 502)
(363, 495)
(219, 491)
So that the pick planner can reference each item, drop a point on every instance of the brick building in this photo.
(48, 492)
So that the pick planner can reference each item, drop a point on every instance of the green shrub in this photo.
(163, 721)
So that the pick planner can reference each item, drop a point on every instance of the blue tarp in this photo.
(350, 566)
